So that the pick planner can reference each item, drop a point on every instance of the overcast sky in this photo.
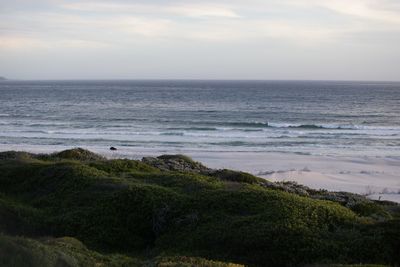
(219, 39)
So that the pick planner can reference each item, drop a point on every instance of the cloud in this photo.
(199, 11)
(34, 43)
(376, 10)
(18, 43)
(373, 10)
(235, 19)
(217, 24)
(175, 9)
(223, 32)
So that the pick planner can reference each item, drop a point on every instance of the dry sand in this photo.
(377, 177)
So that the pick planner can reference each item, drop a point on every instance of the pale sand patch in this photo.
(366, 175)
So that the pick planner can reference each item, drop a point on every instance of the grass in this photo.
(126, 207)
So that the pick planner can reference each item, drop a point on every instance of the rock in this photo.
(113, 148)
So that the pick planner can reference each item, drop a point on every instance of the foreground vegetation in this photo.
(76, 208)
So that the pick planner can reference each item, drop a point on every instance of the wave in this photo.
(210, 125)
(249, 130)
(173, 134)
(215, 123)
(332, 126)
(207, 111)
(304, 126)
(192, 128)
(200, 125)
(308, 126)
(246, 124)
(262, 144)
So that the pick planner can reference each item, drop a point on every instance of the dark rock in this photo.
(113, 148)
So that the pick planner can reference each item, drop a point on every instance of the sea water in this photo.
(167, 116)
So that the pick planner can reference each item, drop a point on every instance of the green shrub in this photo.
(177, 157)
(68, 252)
(371, 209)
(73, 154)
(128, 206)
(192, 261)
(15, 155)
(186, 182)
(118, 166)
(17, 218)
(235, 176)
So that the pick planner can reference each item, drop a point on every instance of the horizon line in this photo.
(197, 79)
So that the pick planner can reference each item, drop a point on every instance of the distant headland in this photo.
(2, 78)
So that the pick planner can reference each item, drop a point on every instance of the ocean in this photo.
(177, 116)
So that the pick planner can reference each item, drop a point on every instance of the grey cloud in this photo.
(261, 39)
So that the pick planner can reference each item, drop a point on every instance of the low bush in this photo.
(235, 176)
(126, 206)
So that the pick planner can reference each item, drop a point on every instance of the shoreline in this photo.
(375, 177)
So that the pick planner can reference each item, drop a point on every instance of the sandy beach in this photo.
(376, 177)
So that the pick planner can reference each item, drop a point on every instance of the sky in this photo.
(219, 39)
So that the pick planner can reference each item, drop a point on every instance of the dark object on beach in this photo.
(113, 148)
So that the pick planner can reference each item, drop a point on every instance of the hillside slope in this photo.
(135, 213)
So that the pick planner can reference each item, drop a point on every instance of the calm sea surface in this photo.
(322, 118)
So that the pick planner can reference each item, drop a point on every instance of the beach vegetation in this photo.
(81, 209)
